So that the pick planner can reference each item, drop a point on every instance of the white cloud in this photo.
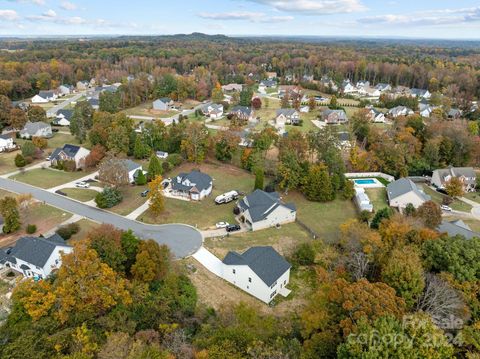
(245, 16)
(314, 7)
(67, 5)
(50, 13)
(36, 2)
(427, 18)
(8, 15)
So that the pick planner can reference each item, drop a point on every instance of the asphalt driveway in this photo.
(183, 240)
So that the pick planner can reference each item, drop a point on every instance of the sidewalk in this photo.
(72, 183)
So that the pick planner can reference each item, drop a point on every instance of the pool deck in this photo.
(373, 183)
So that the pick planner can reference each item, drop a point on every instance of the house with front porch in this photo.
(68, 153)
(6, 143)
(466, 175)
(194, 185)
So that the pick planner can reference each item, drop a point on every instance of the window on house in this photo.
(273, 294)
(285, 282)
(233, 270)
(249, 280)
(273, 285)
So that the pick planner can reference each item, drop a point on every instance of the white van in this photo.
(226, 197)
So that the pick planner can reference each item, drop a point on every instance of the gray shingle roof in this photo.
(201, 180)
(287, 112)
(33, 250)
(69, 150)
(457, 228)
(260, 204)
(46, 94)
(33, 127)
(66, 113)
(246, 111)
(264, 261)
(403, 186)
(131, 165)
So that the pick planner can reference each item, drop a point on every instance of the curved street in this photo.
(182, 240)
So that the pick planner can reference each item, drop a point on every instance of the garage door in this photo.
(209, 261)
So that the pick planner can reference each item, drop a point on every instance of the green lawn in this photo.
(378, 197)
(131, 200)
(437, 197)
(206, 213)
(80, 194)
(473, 196)
(85, 227)
(283, 239)
(47, 178)
(323, 218)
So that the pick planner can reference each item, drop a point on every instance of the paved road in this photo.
(183, 240)
(52, 112)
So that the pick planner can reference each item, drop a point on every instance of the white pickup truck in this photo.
(226, 197)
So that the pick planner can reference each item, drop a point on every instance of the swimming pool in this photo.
(367, 183)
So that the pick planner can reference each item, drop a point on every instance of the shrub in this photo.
(304, 255)
(140, 180)
(20, 160)
(108, 198)
(28, 149)
(31, 228)
(175, 159)
(166, 166)
(67, 231)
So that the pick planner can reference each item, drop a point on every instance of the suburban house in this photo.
(266, 84)
(293, 92)
(232, 88)
(242, 112)
(132, 169)
(288, 116)
(214, 111)
(328, 83)
(400, 111)
(35, 257)
(383, 87)
(62, 118)
(347, 87)
(163, 104)
(454, 113)
(466, 175)
(194, 185)
(259, 271)
(44, 97)
(362, 200)
(376, 116)
(425, 110)
(334, 116)
(65, 90)
(403, 192)
(345, 139)
(457, 228)
(36, 129)
(362, 84)
(69, 153)
(162, 155)
(419, 93)
(369, 92)
(6, 143)
(261, 209)
(83, 85)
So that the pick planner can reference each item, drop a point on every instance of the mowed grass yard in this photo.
(47, 178)
(283, 239)
(80, 194)
(473, 196)
(132, 199)
(86, 226)
(437, 197)
(206, 213)
(378, 197)
(323, 218)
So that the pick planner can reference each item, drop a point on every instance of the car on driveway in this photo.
(233, 228)
(82, 184)
(145, 193)
(220, 225)
(446, 208)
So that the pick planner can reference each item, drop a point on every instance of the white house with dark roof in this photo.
(400, 111)
(375, 115)
(420, 93)
(348, 87)
(260, 210)
(35, 257)
(194, 185)
(382, 87)
(6, 143)
(457, 228)
(44, 97)
(243, 112)
(65, 89)
(36, 129)
(213, 110)
(403, 192)
(466, 175)
(63, 117)
(69, 153)
(260, 271)
(132, 168)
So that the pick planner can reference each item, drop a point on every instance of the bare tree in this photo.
(440, 300)
(113, 171)
(358, 265)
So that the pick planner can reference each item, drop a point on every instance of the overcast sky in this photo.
(458, 19)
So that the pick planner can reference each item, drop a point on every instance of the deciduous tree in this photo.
(10, 214)
(155, 196)
(152, 262)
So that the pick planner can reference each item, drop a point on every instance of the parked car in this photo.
(445, 208)
(48, 158)
(61, 193)
(222, 225)
(82, 184)
(233, 228)
(226, 197)
(145, 193)
(442, 191)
